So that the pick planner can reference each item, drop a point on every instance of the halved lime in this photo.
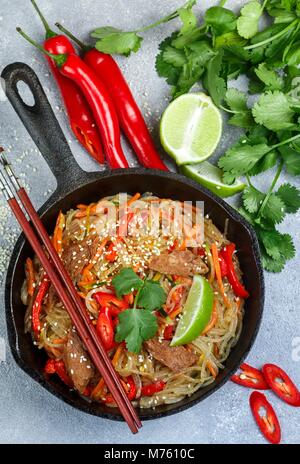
(211, 177)
(191, 128)
(196, 313)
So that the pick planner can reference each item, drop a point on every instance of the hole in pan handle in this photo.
(43, 126)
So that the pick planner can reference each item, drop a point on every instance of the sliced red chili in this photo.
(265, 417)
(223, 266)
(152, 388)
(250, 378)
(112, 253)
(129, 299)
(108, 300)
(58, 367)
(37, 305)
(130, 388)
(237, 286)
(281, 384)
(168, 332)
(105, 329)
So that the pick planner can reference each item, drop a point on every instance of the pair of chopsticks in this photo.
(37, 237)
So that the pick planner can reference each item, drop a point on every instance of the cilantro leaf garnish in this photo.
(237, 102)
(135, 326)
(138, 323)
(247, 23)
(290, 196)
(151, 296)
(126, 281)
(273, 110)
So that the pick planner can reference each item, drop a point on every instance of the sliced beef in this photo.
(78, 363)
(182, 263)
(76, 255)
(176, 358)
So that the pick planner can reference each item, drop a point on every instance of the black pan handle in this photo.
(42, 125)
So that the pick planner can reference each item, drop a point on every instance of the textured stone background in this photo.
(28, 413)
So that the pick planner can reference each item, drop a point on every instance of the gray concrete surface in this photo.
(29, 414)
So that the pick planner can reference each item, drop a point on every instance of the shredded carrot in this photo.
(99, 387)
(58, 232)
(211, 265)
(59, 341)
(117, 355)
(133, 199)
(81, 206)
(215, 256)
(88, 276)
(91, 209)
(82, 295)
(175, 313)
(213, 319)
(212, 369)
(30, 276)
(216, 350)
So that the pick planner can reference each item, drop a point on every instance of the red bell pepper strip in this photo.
(237, 286)
(152, 388)
(250, 378)
(267, 422)
(131, 119)
(124, 222)
(168, 332)
(281, 384)
(37, 305)
(80, 117)
(58, 367)
(71, 66)
(223, 266)
(105, 329)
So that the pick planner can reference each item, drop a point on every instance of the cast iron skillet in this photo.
(76, 186)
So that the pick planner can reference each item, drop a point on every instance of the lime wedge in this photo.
(211, 177)
(196, 312)
(191, 128)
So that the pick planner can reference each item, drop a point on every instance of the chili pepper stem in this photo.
(69, 34)
(49, 32)
(59, 59)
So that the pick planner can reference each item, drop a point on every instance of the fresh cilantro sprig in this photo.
(264, 212)
(115, 41)
(138, 323)
(211, 53)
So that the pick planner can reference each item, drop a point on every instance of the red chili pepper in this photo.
(223, 266)
(201, 252)
(112, 253)
(130, 388)
(168, 332)
(111, 301)
(237, 286)
(37, 305)
(152, 388)
(265, 417)
(281, 384)
(81, 119)
(105, 329)
(250, 378)
(130, 116)
(58, 367)
(71, 66)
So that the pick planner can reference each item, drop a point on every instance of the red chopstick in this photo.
(75, 308)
